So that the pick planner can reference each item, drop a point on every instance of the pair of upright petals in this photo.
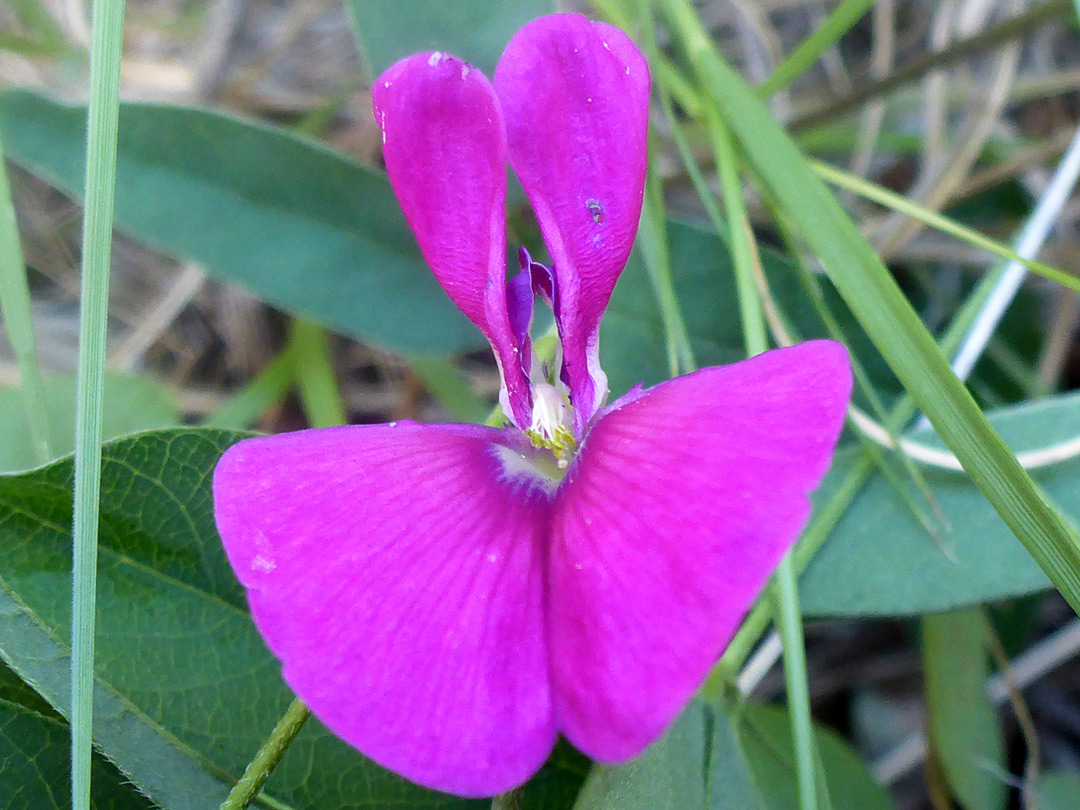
(438, 595)
(569, 109)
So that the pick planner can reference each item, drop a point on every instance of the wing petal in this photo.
(396, 571)
(671, 520)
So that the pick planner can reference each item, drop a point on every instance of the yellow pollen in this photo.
(561, 443)
(551, 419)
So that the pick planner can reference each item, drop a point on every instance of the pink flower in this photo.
(449, 598)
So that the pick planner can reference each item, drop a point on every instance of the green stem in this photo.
(741, 239)
(795, 679)
(653, 239)
(103, 115)
(267, 758)
(17, 314)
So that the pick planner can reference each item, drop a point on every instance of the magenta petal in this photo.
(576, 99)
(445, 149)
(678, 508)
(396, 571)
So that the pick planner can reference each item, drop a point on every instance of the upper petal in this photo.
(445, 149)
(396, 571)
(675, 513)
(576, 99)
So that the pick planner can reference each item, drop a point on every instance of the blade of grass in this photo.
(743, 249)
(251, 402)
(888, 318)
(19, 318)
(652, 241)
(786, 592)
(313, 368)
(1019, 259)
(832, 28)
(444, 380)
(107, 24)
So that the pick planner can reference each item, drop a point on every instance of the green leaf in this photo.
(131, 404)
(186, 689)
(965, 734)
(35, 765)
(669, 774)
(730, 785)
(765, 736)
(1059, 791)
(473, 30)
(747, 765)
(14, 689)
(172, 775)
(880, 562)
(301, 227)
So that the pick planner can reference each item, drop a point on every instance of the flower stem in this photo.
(102, 118)
(260, 768)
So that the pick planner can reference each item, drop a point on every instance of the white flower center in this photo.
(550, 424)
